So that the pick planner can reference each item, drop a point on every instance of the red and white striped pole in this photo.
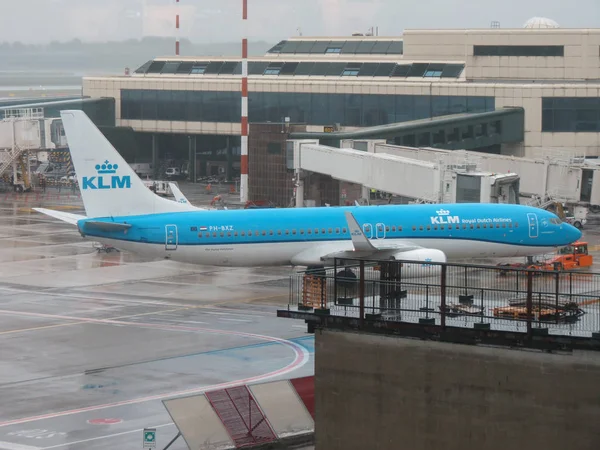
(177, 28)
(244, 138)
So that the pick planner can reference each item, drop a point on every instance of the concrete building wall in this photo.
(580, 60)
(381, 392)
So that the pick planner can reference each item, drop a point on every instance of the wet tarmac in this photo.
(91, 343)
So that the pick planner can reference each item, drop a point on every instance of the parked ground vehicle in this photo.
(571, 257)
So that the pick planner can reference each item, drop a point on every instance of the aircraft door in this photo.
(380, 231)
(533, 225)
(171, 237)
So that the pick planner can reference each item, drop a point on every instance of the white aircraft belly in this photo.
(267, 254)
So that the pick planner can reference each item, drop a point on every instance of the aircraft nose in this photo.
(572, 233)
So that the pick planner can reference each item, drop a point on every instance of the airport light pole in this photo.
(244, 120)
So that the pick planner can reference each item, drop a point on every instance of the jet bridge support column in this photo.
(155, 167)
(390, 287)
(299, 190)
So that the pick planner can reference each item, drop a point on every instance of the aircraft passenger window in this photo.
(394, 228)
(271, 233)
(484, 225)
(516, 224)
(497, 225)
(330, 230)
(399, 228)
(316, 231)
(478, 226)
(309, 231)
(387, 229)
(323, 231)
(206, 234)
(301, 231)
(344, 230)
(414, 228)
(287, 232)
(214, 234)
(503, 225)
(235, 234)
(222, 234)
(471, 226)
(510, 225)
(428, 228)
(249, 233)
(464, 226)
(442, 227)
(420, 227)
(279, 232)
(264, 233)
(199, 235)
(449, 227)
(435, 227)
(293, 231)
(228, 234)
(243, 233)
(337, 230)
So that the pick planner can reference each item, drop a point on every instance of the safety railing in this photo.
(454, 295)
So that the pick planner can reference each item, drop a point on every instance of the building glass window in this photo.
(518, 50)
(570, 114)
(327, 109)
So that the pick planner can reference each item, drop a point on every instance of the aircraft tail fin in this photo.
(108, 185)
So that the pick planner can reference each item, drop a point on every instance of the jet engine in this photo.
(419, 262)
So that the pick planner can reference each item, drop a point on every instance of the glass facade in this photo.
(354, 47)
(289, 68)
(571, 114)
(518, 50)
(310, 108)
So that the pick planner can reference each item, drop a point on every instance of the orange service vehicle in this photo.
(574, 256)
(570, 257)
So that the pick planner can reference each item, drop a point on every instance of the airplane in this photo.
(122, 213)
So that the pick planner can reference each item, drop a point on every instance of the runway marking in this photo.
(301, 357)
(106, 436)
(13, 446)
(235, 320)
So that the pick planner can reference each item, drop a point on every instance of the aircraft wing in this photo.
(64, 216)
(359, 247)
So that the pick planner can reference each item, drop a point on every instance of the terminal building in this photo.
(442, 81)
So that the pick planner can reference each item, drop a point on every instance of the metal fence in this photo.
(454, 295)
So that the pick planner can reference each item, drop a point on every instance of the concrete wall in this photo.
(376, 392)
(580, 61)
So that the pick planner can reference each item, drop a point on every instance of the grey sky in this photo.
(38, 21)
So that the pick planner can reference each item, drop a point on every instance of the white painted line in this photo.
(299, 326)
(106, 436)
(235, 320)
(13, 446)
(192, 321)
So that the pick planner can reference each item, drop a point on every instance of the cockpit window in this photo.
(555, 221)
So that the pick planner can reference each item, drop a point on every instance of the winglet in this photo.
(359, 240)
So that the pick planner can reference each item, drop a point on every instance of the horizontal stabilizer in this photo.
(107, 226)
(64, 216)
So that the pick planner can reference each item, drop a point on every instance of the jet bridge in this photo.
(567, 180)
(423, 181)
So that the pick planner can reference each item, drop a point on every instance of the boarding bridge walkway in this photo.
(385, 173)
(469, 131)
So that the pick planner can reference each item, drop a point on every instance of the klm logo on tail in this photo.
(106, 178)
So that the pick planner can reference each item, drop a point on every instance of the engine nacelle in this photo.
(421, 267)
